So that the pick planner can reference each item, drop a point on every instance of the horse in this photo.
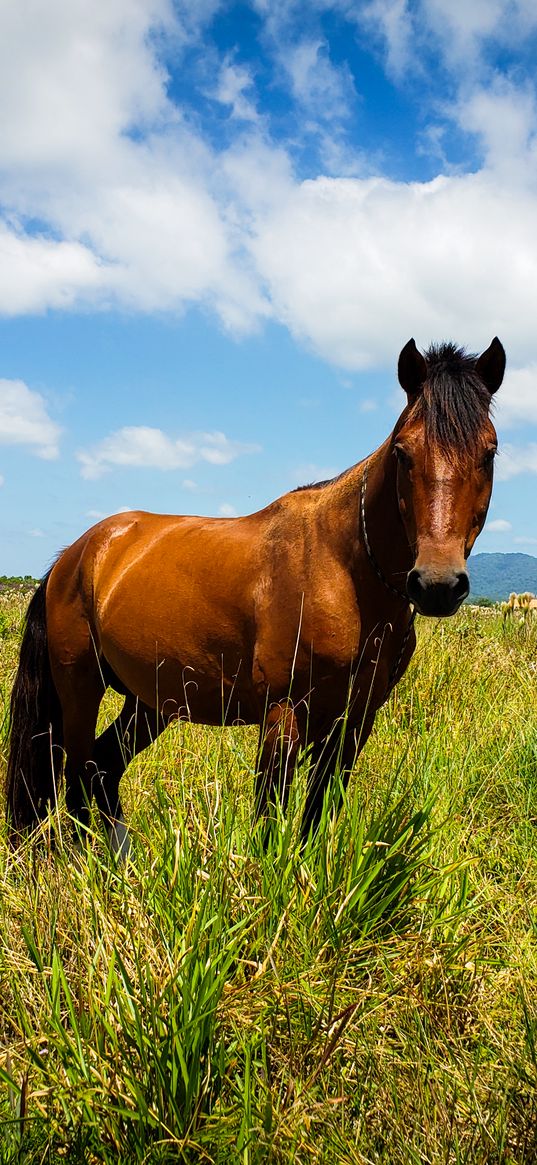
(298, 618)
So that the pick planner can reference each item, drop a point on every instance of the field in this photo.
(370, 998)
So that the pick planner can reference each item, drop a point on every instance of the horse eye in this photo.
(489, 457)
(403, 457)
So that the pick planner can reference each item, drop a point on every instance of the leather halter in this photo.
(379, 573)
(394, 674)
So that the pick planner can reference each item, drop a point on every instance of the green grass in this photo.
(371, 998)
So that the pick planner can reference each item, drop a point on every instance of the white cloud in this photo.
(498, 526)
(219, 449)
(75, 77)
(95, 151)
(138, 211)
(392, 21)
(456, 33)
(35, 533)
(227, 511)
(2, 479)
(234, 81)
(142, 446)
(504, 116)
(36, 273)
(322, 88)
(355, 267)
(24, 420)
(516, 403)
(193, 15)
(516, 459)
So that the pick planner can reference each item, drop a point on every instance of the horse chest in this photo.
(305, 640)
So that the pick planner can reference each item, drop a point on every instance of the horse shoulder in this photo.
(303, 619)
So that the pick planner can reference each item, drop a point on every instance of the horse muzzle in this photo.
(437, 595)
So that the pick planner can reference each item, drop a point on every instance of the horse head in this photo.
(444, 445)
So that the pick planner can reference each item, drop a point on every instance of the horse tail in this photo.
(35, 727)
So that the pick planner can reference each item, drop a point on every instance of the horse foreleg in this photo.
(279, 742)
(331, 755)
(136, 727)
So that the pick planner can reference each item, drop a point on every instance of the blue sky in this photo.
(219, 224)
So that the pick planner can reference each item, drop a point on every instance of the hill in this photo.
(494, 576)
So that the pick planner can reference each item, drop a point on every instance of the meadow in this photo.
(368, 998)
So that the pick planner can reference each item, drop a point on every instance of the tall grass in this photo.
(367, 998)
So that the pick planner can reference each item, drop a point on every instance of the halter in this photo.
(394, 676)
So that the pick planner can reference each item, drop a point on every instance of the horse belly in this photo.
(193, 664)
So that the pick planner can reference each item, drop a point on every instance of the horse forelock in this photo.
(454, 403)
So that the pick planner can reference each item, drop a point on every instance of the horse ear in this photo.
(491, 365)
(411, 369)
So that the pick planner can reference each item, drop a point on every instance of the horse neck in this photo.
(390, 552)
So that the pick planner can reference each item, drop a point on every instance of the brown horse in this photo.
(297, 618)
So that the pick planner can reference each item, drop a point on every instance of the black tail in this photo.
(35, 731)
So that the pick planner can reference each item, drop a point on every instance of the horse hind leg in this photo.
(133, 730)
(81, 694)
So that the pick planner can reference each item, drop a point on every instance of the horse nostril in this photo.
(414, 585)
(461, 586)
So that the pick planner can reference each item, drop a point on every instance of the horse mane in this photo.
(454, 402)
(315, 485)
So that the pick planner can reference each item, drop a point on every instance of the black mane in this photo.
(454, 402)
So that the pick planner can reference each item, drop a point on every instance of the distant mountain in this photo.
(494, 576)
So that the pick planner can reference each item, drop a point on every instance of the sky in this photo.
(219, 224)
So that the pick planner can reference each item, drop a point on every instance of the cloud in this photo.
(498, 526)
(227, 511)
(142, 446)
(234, 82)
(516, 403)
(465, 31)
(321, 88)
(76, 77)
(323, 97)
(354, 267)
(457, 35)
(516, 459)
(39, 273)
(2, 479)
(107, 192)
(503, 115)
(391, 22)
(115, 198)
(24, 420)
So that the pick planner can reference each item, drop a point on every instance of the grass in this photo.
(371, 998)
